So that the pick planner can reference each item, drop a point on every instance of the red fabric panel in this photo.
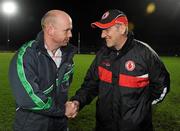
(133, 81)
(104, 74)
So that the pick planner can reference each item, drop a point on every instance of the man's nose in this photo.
(103, 34)
(69, 34)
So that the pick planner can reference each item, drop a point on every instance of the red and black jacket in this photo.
(126, 82)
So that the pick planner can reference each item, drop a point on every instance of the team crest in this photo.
(105, 15)
(130, 65)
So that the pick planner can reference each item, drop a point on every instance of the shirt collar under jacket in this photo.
(57, 57)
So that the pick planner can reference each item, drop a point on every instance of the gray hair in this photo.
(47, 19)
(126, 31)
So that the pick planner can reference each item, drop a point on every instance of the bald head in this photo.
(52, 16)
(57, 26)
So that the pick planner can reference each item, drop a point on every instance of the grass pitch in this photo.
(166, 115)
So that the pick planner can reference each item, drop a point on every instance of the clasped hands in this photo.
(71, 108)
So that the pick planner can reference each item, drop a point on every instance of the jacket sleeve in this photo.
(89, 88)
(159, 78)
(24, 80)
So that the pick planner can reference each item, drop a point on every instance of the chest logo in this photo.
(130, 65)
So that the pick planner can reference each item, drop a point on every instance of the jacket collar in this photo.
(128, 43)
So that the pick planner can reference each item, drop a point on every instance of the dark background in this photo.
(159, 29)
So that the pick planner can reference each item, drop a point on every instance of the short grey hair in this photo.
(47, 18)
(126, 31)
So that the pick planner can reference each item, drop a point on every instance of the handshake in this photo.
(71, 108)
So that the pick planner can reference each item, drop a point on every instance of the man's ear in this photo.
(123, 29)
(50, 29)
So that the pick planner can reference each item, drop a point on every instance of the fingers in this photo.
(71, 110)
(74, 115)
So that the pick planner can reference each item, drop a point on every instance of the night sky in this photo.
(161, 29)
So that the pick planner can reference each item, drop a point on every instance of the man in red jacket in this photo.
(127, 76)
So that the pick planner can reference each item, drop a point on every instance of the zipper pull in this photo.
(117, 53)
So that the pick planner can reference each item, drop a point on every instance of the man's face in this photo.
(62, 32)
(111, 35)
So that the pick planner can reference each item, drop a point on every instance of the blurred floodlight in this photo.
(9, 7)
(151, 7)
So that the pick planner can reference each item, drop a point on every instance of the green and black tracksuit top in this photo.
(37, 84)
(127, 82)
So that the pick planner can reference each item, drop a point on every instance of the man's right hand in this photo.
(72, 108)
